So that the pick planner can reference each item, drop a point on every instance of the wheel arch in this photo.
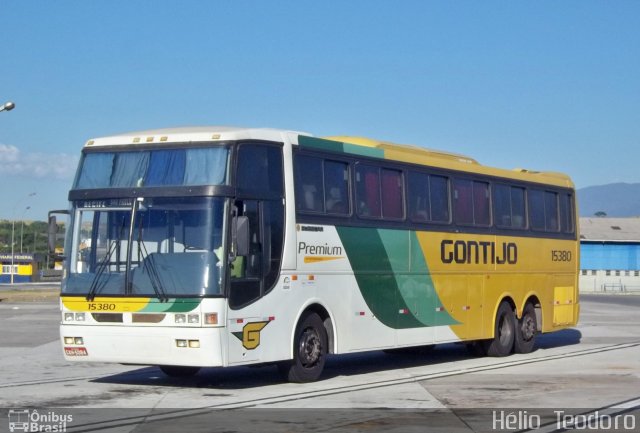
(315, 306)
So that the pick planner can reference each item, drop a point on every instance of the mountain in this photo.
(615, 199)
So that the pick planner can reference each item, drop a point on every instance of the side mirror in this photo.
(52, 232)
(240, 235)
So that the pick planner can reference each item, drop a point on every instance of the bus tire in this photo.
(526, 330)
(504, 332)
(309, 351)
(176, 371)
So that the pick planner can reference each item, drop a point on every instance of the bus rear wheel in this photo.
(175, 371)
(309, 351)
(526, 330)
(503, 333)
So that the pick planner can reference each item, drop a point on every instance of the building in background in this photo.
(23, 266)
(610, 254)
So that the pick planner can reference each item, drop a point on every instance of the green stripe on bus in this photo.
(419, 290)
(415, 286)
(175, 305)
(337, 146)
(392, 275)
(374, 274)
(319, 143)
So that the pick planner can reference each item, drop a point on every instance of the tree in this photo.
(33, 235)
(600, 214)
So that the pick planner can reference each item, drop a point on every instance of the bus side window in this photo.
(519, 220)
(392, 194)
(259, 171)
(439, 196)
(481, 201)
(543, 210)
(502, 205)
(566, 213)
(551, 211)
(463, 201)
(536, 209)
(509, 206)
(368, 191)
(308, 183)
(419, 206)
(336, 187)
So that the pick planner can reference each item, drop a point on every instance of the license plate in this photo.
(75, 351)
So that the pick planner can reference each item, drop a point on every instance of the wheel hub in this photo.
(528, 328)
(310, 348)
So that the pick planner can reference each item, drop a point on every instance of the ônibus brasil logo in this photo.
(25, 420)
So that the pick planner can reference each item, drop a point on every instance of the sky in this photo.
(544, 85)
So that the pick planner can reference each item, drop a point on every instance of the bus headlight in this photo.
(181, 318)
(193, 318)
(79, 317)
(68, 317)
(74, 341)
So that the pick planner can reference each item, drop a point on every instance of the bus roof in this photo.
(347, 144)
(191, 134)
(448, 160)
(408, 149)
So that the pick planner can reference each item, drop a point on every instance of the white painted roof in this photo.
(192, 134)
(610, 229)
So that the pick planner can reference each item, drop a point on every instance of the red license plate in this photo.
(75, 351)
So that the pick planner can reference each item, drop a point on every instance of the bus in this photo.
(220, 246)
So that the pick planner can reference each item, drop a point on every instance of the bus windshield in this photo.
(157, 167)
(158, 247)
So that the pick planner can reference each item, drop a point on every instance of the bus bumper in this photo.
(197, 347)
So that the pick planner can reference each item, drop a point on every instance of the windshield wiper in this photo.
(150, 267)
(93, 289)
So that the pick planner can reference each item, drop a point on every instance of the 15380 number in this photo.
(560, 256)
(101, 307)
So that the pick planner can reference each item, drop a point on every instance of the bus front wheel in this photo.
(503, 333)
(309, 351)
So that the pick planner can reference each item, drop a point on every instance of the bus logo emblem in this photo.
(250, 335)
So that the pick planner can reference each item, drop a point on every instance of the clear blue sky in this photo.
(550, 85)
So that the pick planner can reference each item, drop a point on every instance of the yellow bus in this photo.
(218, 246)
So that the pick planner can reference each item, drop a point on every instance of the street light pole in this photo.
(13, 235)
(13, 231)
(22, 226)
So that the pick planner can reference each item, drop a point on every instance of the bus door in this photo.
(253, 272)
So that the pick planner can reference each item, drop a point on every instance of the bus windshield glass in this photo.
(157, 167)
(157, 247)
